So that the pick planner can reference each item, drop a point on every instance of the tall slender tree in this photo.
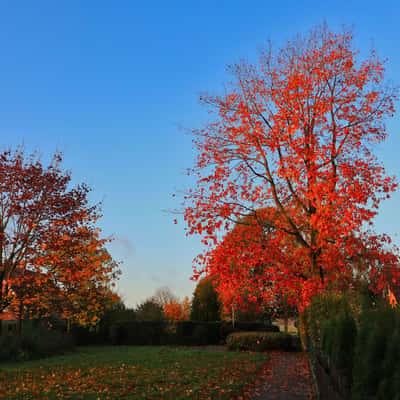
(206, 305)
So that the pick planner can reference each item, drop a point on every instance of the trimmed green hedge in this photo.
(254, 326)
(138, 333)
(198, 333)
(260, 341)
(358, 346)
(212, 333)
(376, 365)
(35, 342)
(339, 335)
(188, 333)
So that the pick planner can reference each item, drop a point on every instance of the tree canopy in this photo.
(292, 148)
(52, 258)
(205, 303)
(163, 296)
(149, 310)
(177, 311)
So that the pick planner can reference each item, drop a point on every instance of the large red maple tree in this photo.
(52, 259)
(294, 137)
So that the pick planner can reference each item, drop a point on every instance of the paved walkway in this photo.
(288, 377)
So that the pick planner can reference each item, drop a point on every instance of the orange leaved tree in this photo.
(177, 311)
(51, 256)
(296, 134)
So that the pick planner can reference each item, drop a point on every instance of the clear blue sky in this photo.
(109, 83)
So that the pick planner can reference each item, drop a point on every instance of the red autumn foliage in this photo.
(246, 264)
(175, 311)
(255, 265)
(291, 148)
(52, 259)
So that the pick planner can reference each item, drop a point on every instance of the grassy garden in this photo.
(133, 372)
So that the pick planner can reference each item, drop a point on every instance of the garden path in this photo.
(288, 377)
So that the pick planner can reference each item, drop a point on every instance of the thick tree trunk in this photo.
(303, 334)
(316, 268)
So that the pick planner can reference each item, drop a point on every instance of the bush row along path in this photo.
(287, 377)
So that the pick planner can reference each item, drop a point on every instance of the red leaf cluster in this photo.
(291, 147)
(52, 260)
(176, 311)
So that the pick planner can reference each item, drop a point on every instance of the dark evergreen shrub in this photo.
(205, 303)
(337, 343)
(343, 343)
(200, 333)
(10, 348)
(327, 338)
(205, 334)
(184, 332)
(214, 333)
(255, 326)
(389, 386)
(373, 359)
(138, 333)
(85, 336)
(35, 341)
(259, 341)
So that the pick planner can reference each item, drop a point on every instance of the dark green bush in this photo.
(376, 358)
(10, 348)
(115, 315)
(138, 333)
(390, 384)
(84, 336)
(35, 341)
(346, 332)
(260, 341)
(187, 333)
(206, 305)
(213, 333)
(368, 365)
(184, 332)
(45, 342)
(204, 334)
(358, 338)
(199, 333)
(255, 326)
(337, 344)
(338, 341)
(328, 337)
(324, 308)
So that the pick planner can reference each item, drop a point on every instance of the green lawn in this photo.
(132, 372)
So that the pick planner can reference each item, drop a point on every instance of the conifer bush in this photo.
(260, 341)
(377, 355)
